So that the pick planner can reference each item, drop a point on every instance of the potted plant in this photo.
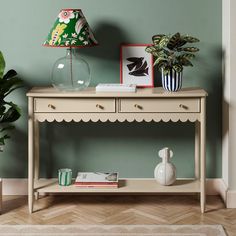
(171, 55)
(9, 111)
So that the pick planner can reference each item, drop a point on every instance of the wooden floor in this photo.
(91, 209)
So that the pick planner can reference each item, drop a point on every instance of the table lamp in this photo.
(70, 30)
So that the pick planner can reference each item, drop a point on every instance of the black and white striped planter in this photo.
(172, 81)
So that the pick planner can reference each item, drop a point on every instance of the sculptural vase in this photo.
(165, 172)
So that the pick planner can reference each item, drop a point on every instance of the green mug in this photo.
(64, 177)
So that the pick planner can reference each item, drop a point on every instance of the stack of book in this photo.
(97, 180)
(130, 88)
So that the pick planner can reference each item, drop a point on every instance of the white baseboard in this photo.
(19, 187)
(231, 199)
(217, 187)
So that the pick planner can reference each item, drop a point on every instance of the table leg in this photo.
(203, 154)
(31, 155)
(197, 149)
(36, 154)
(0, 196)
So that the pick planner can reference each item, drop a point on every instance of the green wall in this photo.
(130, 148)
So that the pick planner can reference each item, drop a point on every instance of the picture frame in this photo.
(136, 65)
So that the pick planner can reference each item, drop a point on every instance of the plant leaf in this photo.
(173, 42)
(163, 42)
(11, 115)
(2, 139)
(185, 62)
(157, 38)
(188, 56)
(190, 39)
(166, 70)
(8, 85)
(2, 65)
(152, 49)
(10, 74)
(2, 108)
(178, 68)
(161, 65)
(190, 49)
(158, 60)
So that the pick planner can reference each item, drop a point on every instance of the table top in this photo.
(157, 92)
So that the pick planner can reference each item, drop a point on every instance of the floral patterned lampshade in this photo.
(70, 30)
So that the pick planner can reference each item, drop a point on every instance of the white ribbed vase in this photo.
(172, 81)
(165, 172)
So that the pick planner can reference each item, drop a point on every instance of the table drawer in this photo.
(160, 105)
(100, 105)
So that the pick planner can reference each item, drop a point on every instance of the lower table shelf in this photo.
(141, 186)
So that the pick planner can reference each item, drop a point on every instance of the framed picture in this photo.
(136, 65)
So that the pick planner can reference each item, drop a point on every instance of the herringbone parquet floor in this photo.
(91, 209)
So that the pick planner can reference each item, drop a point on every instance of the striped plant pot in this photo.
(172, 81)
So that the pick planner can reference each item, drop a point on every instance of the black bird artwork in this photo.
(137, 67)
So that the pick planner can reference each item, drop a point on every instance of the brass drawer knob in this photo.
(183, 106)
(138, 106)
(51, 106)
(100, 106)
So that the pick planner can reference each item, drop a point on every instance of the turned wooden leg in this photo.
(197, 150)
(203, 154)
(0, 196)
(36, 154)
(30, 156)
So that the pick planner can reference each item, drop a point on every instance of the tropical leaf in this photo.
(10, 74)
(158, 60)
(2, 109)
(178, 68)
(170, 52)
(162, 54)
(181, 43)
(11, 104)
(157, 38)
(9, 112)
(190, 39)
(188, 56)
(166, 70)
(173, 42)
(2, 65)
(161, 65)
(11, 115)
(190, 49)
(163, 42)
(151, 49)
(2, 139)
(167, 52)
(185, 62)
(9, 85)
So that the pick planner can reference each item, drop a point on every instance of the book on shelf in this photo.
(131, 88)
(97, 180)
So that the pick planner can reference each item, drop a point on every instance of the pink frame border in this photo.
(121, 69)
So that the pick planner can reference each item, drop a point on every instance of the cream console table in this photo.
(149, 104)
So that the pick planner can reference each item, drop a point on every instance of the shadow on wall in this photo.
(225, 108)
(213, 110)
(15, 151)
(109, 37)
